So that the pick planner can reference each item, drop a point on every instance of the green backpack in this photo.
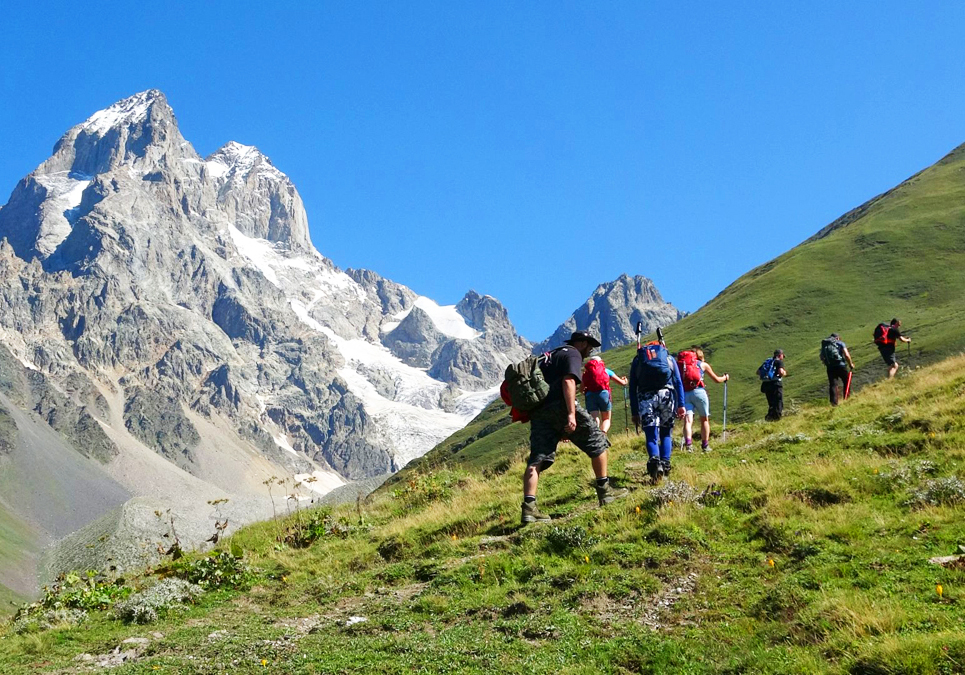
(831, 354)
(525, 383)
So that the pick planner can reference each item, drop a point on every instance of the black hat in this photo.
(580, 335)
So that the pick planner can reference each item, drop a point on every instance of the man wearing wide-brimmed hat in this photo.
(560, 416)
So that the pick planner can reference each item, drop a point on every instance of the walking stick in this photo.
(626, 410)
(723, 431)
(847, 385)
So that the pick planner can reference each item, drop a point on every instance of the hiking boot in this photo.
(531, 514)
(665, 467)
(705, 448)
(655, 470)
(607, 494)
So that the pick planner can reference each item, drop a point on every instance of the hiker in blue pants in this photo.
(656, 398)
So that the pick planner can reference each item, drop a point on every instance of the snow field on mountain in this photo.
(130, 109)
(445, 317)
(412, 423)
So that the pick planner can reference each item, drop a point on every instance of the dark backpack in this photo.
(767, 371)
(690, 372)
(832, 353)
(882, 334)
(653, 370)
(525, 384)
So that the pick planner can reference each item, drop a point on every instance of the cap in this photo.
(581, 335)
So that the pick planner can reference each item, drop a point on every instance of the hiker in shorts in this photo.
(837, 359)
(559, 416)
(696, 400)
(596, 391)
(772, 373)
(656, 398)
(887, 337)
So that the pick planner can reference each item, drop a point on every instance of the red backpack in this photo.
(595, 377)
(690, 372)
(883, 334)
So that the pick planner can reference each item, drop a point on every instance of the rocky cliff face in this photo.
(154, 301)
(612, 313)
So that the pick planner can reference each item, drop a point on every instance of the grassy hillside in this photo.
(796, 547)
(901, 254)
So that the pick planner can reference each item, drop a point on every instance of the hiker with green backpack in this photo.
(837, 359)
(544, 389)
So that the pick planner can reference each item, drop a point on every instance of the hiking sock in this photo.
(704, 444)
(529, 499)
(601, 482)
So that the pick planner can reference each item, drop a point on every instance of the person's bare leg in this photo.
(599, 465)
(595, 414)
(688, 427)
(605, 421)
(705, 429)
(892, 370)
(530, 481)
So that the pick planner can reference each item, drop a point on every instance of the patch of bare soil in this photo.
(653, 612)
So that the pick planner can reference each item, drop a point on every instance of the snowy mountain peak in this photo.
(240, 160)
(131, 110)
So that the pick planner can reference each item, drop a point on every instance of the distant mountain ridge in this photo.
(612, 313)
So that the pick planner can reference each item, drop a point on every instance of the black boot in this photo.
(654, 469)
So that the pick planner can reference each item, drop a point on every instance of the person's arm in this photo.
(904, 338)
(622, 381)
(569, 398)
(710, 371)
(782, 372)
(678, 383)
(847, 355)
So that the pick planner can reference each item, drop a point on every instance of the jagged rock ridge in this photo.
(175, 305)
(612, 313)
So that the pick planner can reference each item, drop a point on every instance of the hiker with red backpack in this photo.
(596, 390)
(887, 337)
(656, 399)
(692, 368)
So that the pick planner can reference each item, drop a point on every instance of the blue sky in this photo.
(436, 142)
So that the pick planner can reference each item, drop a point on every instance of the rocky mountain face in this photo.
(612, 313)
(168, 317)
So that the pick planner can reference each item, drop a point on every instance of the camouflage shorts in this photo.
(546, 431)
(657, 408)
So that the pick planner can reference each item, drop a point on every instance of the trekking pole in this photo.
(847, 385)
(626, 410)
(723, 431)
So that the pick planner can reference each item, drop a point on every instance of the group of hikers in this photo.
(542, 390)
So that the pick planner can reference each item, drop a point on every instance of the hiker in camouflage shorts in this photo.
(560, 416)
